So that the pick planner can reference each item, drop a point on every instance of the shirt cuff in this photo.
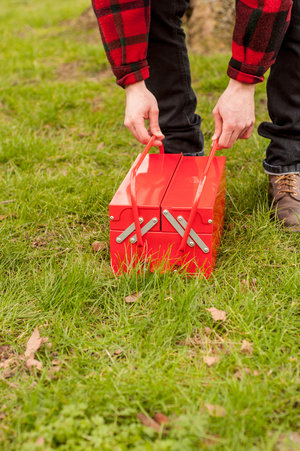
(131, 73)
(246, 74)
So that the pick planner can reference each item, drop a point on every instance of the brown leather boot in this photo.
(284, 191)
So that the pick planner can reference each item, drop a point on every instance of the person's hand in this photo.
(234, 114)
(140, 106)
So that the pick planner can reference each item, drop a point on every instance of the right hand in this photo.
(141, 105)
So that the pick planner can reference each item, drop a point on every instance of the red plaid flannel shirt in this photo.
(259, 29)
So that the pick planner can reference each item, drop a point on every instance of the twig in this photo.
(7, 201)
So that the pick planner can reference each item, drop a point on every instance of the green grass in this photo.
(63, 153)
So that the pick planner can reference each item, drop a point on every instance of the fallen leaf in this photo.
(118, 352)
(55, 362)
(49, 345)
(210, 441)
(217, 315)
(34, 343)
(2, 217)
(246, 347)
(210, 360)
(160, 418)
(240, 373)
(98, 246)
(149, 422)
(6, 352)
(207, 330)
(6, 363)
(33, 363)
(132, 297)
(40, 441)
(289, 441)
(215, 410)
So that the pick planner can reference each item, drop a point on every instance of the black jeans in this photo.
(170, 79)
(283, 89)
(170, 82)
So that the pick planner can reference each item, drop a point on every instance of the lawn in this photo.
(114, 365)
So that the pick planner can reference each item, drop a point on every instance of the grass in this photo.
(63, 153)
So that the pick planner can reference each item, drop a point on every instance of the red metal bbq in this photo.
(168, 213)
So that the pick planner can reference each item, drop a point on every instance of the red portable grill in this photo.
(168, 213)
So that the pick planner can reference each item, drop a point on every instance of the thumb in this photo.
(218, 125)
(153, 124)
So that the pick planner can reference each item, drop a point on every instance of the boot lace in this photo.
(287, 183)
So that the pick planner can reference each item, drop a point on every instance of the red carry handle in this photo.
(197, 197)
(133, 188)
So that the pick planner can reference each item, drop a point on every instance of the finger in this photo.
(234, 136)
(154, 125)
(225, 138)
(139, 131)
(246, 133)
(218, 125)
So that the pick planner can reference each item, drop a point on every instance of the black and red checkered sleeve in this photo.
(124, 28)
(259, 29)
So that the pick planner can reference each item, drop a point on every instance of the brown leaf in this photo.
(289, 441)
(240, 373)
(98, 246)
(246, 347)
(34, 343)
(215, 410)
(210, 360)
(33, 363)
(6, 363)
(211, 441)
(207, 331)
(118, 352)
(6, 352)
(146, 421)
(2, 217)
(40, 441)
(133, 297)
(217, 315)
(160, 418)
(55, 362)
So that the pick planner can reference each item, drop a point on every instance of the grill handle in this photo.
(133, 195)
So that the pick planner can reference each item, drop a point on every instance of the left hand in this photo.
(234, 114)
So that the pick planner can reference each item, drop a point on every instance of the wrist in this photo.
(239, 86)
(138, 86)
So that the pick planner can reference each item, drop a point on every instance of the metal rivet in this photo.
(191, 243)
(154, 220)
(111, 218)
(210, 221)
(165, 212)
(118, 240)
(180, 218)
(141, 220)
